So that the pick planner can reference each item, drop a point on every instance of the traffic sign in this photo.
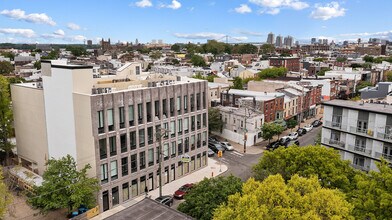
(220, 153)
(185, 158)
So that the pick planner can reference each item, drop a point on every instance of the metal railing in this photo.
(385, 156)
(335, 143)
(360, 150)
(360, 167)
(362, 131)
(384, 136)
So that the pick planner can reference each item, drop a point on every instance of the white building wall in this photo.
(59, 110)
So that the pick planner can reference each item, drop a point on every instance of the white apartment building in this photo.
(112, 124)
(362, 132)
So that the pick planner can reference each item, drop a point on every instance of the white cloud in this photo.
(240, 38)
(19, 14)
(59, 32)
(73, 26)
(144, 3)
(250, 33)
(328, 11)
(243, 9)
(273, 11)
(79, 38)
(380, 34)
(174, 5)
(293, 4)
(202, 35)
(18, 32)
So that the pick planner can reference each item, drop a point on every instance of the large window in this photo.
(150, 135)
(102, 149)
(141, 138)
(112, 146)
(134, 189)
(193, 123)
(121, 117)
(124, 166)
(149, 112)
(115, 196)
(132, 140)
(186, 144)
(186, 125)
(192, 102)
(171, 107)
(156, 108)
(198, 140)
(179, 105)
(131, 115)
(204, 120)
(179, 146)
(185, 104)
(125, 191)
(142, 160)
(172, 128)
(204, 100)
(179, 126)
(193, 142)
(110, 119)
(113, 170)
(140, 113)
(104, 173)
(198, 104)
(164, 108)
(151, 157)
(173, 149)
(101, 122)
(123, 143)
(198, 121)
(166, 151)
(133, 163)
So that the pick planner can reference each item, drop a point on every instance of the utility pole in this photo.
(160, 132)
(245, 137)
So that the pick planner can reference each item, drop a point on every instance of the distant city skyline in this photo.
(48, 21)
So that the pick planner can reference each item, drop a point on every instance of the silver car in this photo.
(228, 146)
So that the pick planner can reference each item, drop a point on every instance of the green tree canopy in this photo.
(341, 59)
(197, 60)
(307, 161)
(208, 194)
(322, 71)
(5, 195)
(64, 186)
(244, 49)
(214, 47)
(269, 130)
(388, 75)
(155, 55)
(272, 72)
(291, 123)
(175, 48)
(237, 83)
(372, 196)
(300, 198)
(6, 118)
(54, 54)
(267, 49)
(37, 65)
(361, 85)
(215, 122)
(368, 59)
(77, 50)
(8, 55)
(6, 68)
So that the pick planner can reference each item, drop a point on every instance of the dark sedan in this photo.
(301, 131)
(316, 123)
(166, 200)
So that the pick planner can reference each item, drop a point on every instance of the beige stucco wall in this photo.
(261, 86)
(85, 148)
(30, 125)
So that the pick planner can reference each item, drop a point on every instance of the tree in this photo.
(267, 49)
(175, 48)
(237, 83)
(8, 55)
(300, 198)
(6, 68)
(54, 54)
(208, 194)
(272, 72)
(356, 65)
(323, 162)
(64, 186)
(37, 65)
(319, 59)
(361, 85)
(341, 59)
(322, 71)
(372, 197)
(317, 140)
(388, 74)
(244, 49)
(5, 195)
(291, 123)
(5, 117)
(269, 130)
(155, 55)
(77, 50)
(214, 47)
(197, 60)
(368, 59)
(215, 122)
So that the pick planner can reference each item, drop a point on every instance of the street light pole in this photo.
(245, 137)
(159, 135)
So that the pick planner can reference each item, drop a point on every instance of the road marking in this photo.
(223, 160)
(236, 153)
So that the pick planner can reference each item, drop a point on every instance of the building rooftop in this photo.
(148, 209)
(371, 107)
(216, 85)
(257, 95)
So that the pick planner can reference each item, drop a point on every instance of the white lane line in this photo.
(236, 153)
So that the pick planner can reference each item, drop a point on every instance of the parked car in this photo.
(284, 141)
(227, 146)
(273, 145)
(212, 139)
(301, 131)
(293, 142)
(216, 147)
(181, 192)
(293, 135)
(316, 123)
(166, 200)
(308, 127)
(210, 152)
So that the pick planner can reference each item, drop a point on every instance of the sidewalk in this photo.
(261, 146)
(168, 189)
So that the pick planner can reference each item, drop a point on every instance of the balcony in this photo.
(360, 150)
(360, 167)
(378, 155)
(361, 131)
(387, 137)
(335, 143)
(335, 125)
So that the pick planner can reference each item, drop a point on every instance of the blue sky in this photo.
(73, 21)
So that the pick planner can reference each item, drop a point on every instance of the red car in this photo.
(180, 193)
